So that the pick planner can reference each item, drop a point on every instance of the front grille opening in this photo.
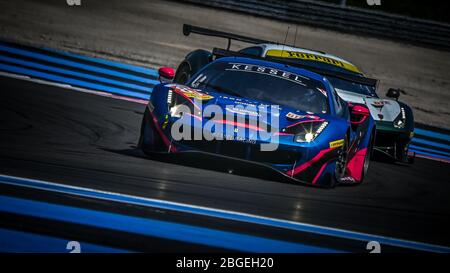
(244, 151)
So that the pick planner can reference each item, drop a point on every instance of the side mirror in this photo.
(358, 114)
(166, 74)
(393, 93)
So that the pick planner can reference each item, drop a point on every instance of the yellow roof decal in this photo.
(311, 57)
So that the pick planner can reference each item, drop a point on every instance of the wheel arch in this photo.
(195, 61)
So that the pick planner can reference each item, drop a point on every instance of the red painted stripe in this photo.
(359, 122)
(305, 121)
(194, 116)
(186, 97)
(308, 164)
(166, 141)
(356, 164)
(432, 158)
(320, 172)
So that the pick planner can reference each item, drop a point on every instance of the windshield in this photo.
(344, 85)
(266, 84)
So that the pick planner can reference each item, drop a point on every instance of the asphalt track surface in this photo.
(60, 135)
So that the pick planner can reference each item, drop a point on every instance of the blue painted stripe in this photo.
(431, 143)
(33, 73)
(131, 67)
(25, 242)
(433, 155)
(76, 74)
(442, 153)
(223, 214)
(432, 134)
(75, 64)
(153, 228)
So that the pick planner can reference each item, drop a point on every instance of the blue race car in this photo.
(287, 119)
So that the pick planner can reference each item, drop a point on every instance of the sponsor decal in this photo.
(291, 115)
(166, 122)
(380, 103)
(220, 124)
(347, 180)
(336, 144)
(250, 110)
(192, 93)
(302, 80)
(311, 57)
(238, 138)
(294, 116)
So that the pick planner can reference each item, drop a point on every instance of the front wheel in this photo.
(341, 163)
(368, 157)
(148, 140)
(183, 74)
(401, 153)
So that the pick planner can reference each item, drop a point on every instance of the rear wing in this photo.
(219, 53)
(188, 29)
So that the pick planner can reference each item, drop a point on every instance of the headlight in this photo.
(177, 105)
(175, 112)
(169, 97)
(399, 124)
(400, 121)
(307, 131)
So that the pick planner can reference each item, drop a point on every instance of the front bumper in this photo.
(283, 158)
(232, 165)
(393, 141)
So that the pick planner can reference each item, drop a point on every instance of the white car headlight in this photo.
(400, 121)
(307, 131)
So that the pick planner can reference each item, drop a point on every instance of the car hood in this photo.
(380, 109)
(253, 109)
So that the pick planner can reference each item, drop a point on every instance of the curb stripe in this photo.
(74, 73)
(135, 68)
(432, 134)
(26, 242)
(153, 228)
(430, 154)
(51, 77)
(74, 64)
(433, 158)
(223, 214)
(429, 150)
(431, 143)
(73, 88)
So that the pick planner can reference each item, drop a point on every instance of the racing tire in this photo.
(368, 157)
(402, 153)
(341, 163)
(183, 73)
(149, 140)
